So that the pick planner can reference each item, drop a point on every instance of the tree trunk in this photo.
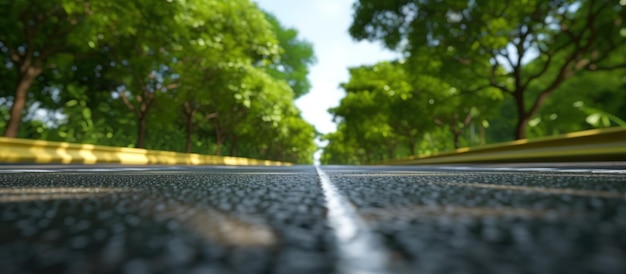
(219, 138)
(520, 127)
(411, 145)
(141, 131)
(456, 134)
(218, 148)
(522, 116)
(188, 114)
(25, 80)
(189, 133)
(233, 148)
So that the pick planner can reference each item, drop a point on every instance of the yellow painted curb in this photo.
(590, 145)
(14, 150)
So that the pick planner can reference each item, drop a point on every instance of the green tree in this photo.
(456, 100)
(388, 112)
(383, 93)
(339, 149)
(565, 37)
(145, 57)
(34, 33)
(266, 121)
(209, 76)
(221, 49)
(590, 100)
(295, 58)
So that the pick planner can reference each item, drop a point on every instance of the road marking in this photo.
(452, 213)
(26, 171)
(541, 190)
(359, 250)
(539, 169)
(28, 194)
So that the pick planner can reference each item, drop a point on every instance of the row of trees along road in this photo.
(206, 76)
(480, 71)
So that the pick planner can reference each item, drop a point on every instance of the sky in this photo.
(325, 23)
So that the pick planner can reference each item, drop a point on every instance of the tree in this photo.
(565, 37)
(382, 115)
(145, 57)
(263, 105)
(34, 33)
(220, 52)
(209, 76)
(392, 110)
(393, 101)
(590, 100)
(339, 148)
(295, 58)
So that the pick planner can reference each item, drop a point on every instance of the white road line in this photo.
(360, 251)
(25, 170)
(539, 169)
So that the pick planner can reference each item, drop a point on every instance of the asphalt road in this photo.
(524, 218)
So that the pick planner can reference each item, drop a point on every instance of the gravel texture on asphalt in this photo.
(225, 220)
(275, 219)
(439, 221)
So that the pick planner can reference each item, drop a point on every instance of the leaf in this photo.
(86, 113)
(594, 119)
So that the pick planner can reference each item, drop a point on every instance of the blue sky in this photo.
(325, 24)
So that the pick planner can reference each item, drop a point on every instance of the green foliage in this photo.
(295, 58)
(195, 75)
(492, 41)
(389, 113)
(590, 100)
(480, 70)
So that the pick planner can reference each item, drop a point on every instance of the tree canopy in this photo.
(496, 39)
(295, 58)
(196, 76)
(389, 113)
(479, 71)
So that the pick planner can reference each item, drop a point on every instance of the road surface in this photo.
(525, 218)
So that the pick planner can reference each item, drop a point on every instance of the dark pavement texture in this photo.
(434, 219)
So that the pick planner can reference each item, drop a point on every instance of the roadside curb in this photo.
(14, 150)
(590, 145)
